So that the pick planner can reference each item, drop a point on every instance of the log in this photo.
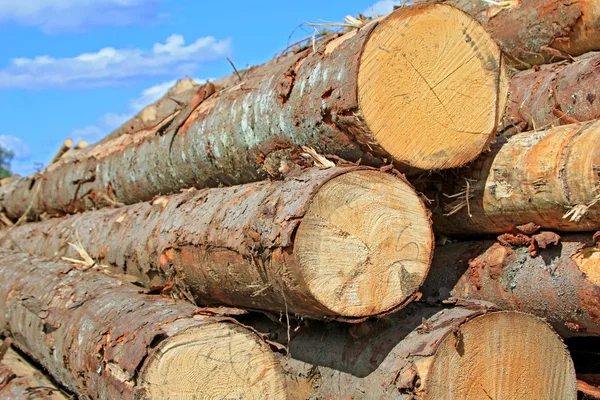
(457, 353)
(102, 339)
(535, 32)
(19, 379)
(554, 94)
(588, 390)
(548, 178)
(561, 284)
(394, 89)
(66, 146)
(336, 242)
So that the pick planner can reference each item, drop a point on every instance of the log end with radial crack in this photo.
(431, 100)
(364, 244)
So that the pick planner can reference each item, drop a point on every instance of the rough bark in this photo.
(554, 94)
(536, 32)
(459, 353)
(337, 242)
(561, 284)
(391, 90)
(548, 178)
(103, 339)
(20, 380)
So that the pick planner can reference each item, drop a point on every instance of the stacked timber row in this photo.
(335, 242)
(101, 338)
(393, 90)
(277, 190)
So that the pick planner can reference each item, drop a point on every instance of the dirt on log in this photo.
(394, 89)
(560, 283)
(336, 242)
(424, 353)
(548, 178)
(535, 32)
(104, 339)
(20, 380)
(555, 94)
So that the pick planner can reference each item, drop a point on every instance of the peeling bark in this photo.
(428, 353)
(329, 99)
(537, 31)
(548, 178)
(102, 339)
(561, 284)
(337, 242)
(554, 95)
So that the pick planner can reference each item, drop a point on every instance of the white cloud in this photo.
(106, 124)
(382, 7)
(152, 94)
(77, 15)
(16, 145)
(21, 163)
(111, 121)
(110, 66)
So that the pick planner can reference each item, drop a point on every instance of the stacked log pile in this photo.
(271, 234)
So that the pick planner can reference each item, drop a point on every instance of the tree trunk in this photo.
(20, 380)
(102, 339)
(537, 31)
(561, 284)
(555, 94)
(457, 353)
(549, 178)
(391, 90)
(337, 242)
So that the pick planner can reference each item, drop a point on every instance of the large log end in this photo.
(431, 86)
(365, 243)
(507, 355)
(215, 361)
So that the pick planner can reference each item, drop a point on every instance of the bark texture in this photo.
(536, 32)
(554, 94)
(20, 380)
(102, 339)
(561, 284)
(409, 107)
(337, 242)
(548, 178)
(425, 353)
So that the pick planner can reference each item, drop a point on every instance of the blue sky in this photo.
(80, 68)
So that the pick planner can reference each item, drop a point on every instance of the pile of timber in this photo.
(392, 211)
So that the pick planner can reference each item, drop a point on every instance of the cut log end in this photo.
(365, 243)
(430, 86)
(502, 355)
(588, 261)
(218, 360)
